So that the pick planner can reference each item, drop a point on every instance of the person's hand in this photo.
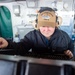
(68, 53)
(3, 43)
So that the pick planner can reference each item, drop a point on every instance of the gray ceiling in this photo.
(10, 0)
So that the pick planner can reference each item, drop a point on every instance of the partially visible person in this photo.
(47, 39)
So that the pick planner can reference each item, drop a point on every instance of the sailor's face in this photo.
(47, 31)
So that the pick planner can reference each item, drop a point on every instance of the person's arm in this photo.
(70, 51)
(3, 43)
(23, 46)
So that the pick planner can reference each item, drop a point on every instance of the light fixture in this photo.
(16, 10)
(32, 3)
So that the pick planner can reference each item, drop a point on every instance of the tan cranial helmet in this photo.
(46, 18)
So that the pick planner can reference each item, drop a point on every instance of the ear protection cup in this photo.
(36, 22)
(57, 20)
